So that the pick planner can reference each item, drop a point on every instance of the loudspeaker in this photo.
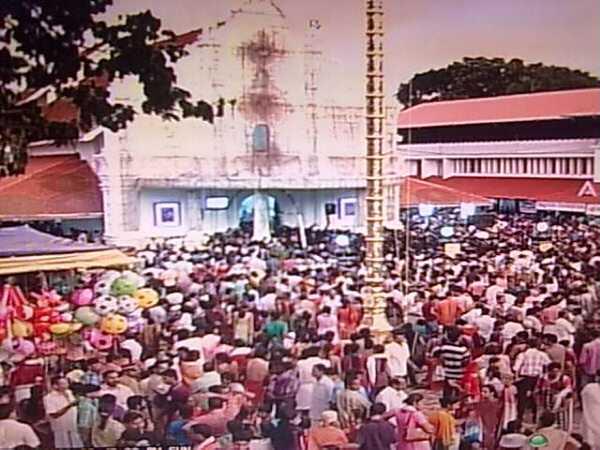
(330, 208)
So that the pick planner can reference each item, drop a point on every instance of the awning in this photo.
(505, 108)
(414, 192)
(551, 190)
(23, 250)
(52, 187)
(68, 261)
(26, 241)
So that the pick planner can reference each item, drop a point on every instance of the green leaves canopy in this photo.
(63, 46)
(488, 77)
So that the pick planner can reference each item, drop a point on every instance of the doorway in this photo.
(246, 212)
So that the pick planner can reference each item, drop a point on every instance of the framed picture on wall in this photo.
(221, 202)
(167, 214)
(348, 207)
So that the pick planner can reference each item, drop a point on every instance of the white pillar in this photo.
(108, 168)
(446, 168)
(192, 216)
(596, 172)
(261, 224)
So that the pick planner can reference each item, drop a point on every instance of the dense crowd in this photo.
(260, 345)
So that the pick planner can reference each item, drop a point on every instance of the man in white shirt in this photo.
(210, 377)
(322, 393)
(134, 347)
(491, 294)
(398, 354)
(393, 396)
(267, 301)
(485, 323)
(192, 343)
(13, 433)
(511, 328)
(61, 409)
(112, 386)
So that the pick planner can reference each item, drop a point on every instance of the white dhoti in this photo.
(67, 439)
(304, 396)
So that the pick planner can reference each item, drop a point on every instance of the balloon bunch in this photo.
(100, 311)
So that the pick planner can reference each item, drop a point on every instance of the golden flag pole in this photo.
(373, 295)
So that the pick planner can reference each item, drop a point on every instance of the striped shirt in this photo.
(454, 359)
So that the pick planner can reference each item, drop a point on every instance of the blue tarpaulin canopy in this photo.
(24, 241)
(23, 249)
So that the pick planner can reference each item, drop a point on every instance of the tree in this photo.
(489, 77)
(64, 48)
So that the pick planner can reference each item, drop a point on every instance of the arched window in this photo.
(260, 138)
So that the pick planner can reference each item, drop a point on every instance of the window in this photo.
(217, 202)
(260, 138)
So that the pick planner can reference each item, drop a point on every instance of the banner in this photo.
(527, 207)
(559, 206)
(593, 210)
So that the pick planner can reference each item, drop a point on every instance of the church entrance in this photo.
(246, 212)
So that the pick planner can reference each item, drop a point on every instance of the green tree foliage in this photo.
(488, 77)
(65, 48)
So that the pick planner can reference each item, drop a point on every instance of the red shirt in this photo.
(25, 374)
(447, 311)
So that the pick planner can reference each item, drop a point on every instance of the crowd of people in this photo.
(495, 343)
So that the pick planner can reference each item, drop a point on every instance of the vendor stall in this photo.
(24, 250)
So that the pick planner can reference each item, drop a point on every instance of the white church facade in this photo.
(280, 141)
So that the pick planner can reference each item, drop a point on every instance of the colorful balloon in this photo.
(21, 329)
(86, 315)
(146, 297)
(122, 286)
(127, 305)
(106, 304)
(113, 324)
(83, 297)
(98, 339)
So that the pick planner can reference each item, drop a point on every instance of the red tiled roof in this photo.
(61, 186)
(414, 191)
(539, 189)
(61, 110)
(506, 108)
